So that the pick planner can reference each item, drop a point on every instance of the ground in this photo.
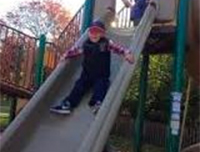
(123, 145)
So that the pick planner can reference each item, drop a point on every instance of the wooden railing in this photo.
(17, 54)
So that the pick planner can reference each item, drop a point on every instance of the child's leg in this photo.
(137, 11)
(80, 87)
(100, 89)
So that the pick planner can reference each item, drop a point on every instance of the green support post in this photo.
(88, 14)
(40, 60)
(142, 98)
(178, 78)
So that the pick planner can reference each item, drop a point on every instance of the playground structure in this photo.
(34, 126)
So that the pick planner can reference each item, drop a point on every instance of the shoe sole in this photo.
(60, 111)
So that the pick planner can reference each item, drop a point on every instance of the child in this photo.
(96, 68)
(137, 10)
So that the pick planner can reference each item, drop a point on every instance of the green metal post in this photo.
(40, 60)
(88, 14)
(142, 98)
(178, 77)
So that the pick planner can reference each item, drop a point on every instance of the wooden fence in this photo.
(154, 133)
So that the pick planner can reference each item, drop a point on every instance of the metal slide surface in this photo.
(44, 131)
(35, 129)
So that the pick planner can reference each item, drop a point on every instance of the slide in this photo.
(35, 129)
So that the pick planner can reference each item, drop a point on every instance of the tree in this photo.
(158, 89)
(2, 21)
(39, 17)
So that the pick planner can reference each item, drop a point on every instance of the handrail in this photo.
(71, 33)
(8, 27)
(72, 20)
(123, 18)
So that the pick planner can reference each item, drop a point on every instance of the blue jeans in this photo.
(137, 10)
(83, 84)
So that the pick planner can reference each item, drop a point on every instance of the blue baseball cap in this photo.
(97, 26)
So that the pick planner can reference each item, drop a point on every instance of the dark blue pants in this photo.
(83, 84)
(137, 11)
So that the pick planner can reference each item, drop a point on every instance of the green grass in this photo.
(122, 144)
(4, 115)
(150, 148)
(4, 120)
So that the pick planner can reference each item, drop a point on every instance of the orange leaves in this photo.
(40, 17)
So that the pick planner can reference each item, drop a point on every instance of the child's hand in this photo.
(63, 57)
(129, 57)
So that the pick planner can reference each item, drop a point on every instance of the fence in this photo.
(154, 133)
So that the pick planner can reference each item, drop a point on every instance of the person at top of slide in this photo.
(137, 9)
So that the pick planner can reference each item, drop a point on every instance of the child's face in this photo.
(95, 35)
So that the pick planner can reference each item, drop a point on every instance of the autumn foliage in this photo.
(39, 17)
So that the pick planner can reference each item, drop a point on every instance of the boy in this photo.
(96, 68)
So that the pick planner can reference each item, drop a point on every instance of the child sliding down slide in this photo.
(95, 74)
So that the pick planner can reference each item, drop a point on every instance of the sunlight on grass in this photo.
(4, 119)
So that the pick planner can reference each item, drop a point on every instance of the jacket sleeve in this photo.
(117, 48)
(74, 51)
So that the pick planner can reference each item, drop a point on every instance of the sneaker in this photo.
(96, 107)
(63, 108)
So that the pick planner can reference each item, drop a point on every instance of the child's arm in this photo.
(127, 3)
(74, 51)
(118, 49)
